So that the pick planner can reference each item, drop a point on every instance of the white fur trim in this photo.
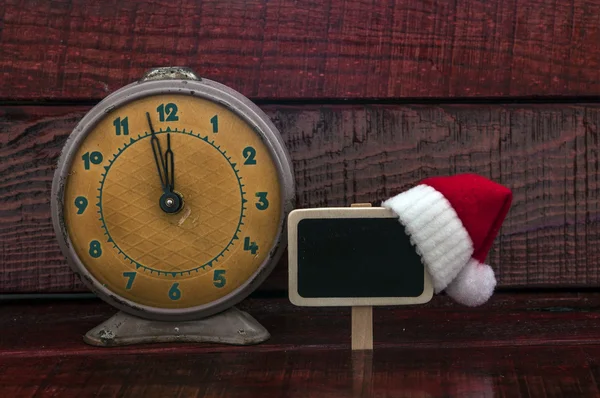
(435, 230)
(474, 285)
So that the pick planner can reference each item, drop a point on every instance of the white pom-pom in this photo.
(474, 284)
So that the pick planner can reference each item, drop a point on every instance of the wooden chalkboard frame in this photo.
(298, 215)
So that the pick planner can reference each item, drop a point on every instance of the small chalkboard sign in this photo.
(356, 256)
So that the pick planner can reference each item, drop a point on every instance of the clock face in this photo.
(172, 201)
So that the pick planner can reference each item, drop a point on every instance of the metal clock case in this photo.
(171, 195)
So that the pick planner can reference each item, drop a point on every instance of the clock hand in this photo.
(157, 151)
(170, 202)
(170, 165)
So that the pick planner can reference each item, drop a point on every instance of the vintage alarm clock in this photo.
(170, 201)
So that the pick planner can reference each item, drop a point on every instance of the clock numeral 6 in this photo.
(95, 249)
(174, 292)
(263, 202)
(252, 247)
(219, 278)
(94, 158)
(81, 203)
(249, 154)
(130, 278)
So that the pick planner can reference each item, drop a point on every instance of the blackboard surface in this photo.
(357, 257)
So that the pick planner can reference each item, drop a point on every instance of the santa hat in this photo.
(452, 222)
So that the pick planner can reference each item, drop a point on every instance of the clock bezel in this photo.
(209, 90)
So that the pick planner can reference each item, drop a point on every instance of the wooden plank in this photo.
(566, 371)
(45, 329)
(59, 49)
(551, 351)
(547, 154)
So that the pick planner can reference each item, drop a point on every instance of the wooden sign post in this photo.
(358, 256)
(362, 318)
(362, 328)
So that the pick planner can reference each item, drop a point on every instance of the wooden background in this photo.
(369, 96)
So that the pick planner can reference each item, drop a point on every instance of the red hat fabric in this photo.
(453, 221)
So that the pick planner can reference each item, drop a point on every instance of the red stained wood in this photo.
(567, 371)
(547, 154)
(56, 328)
(515, 346)
(59, 49)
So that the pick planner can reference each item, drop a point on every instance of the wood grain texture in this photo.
(515, 346)
(532, 372)
(74, 49)
(547, 154)
(56, 328)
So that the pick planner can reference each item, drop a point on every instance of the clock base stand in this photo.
(231, 326)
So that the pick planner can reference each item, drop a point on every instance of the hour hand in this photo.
(169, 166)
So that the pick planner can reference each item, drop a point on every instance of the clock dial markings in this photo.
(152, 257)
(125, 190)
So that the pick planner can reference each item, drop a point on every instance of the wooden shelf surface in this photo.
(519, 345)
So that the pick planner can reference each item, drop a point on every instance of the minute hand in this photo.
(158, 157)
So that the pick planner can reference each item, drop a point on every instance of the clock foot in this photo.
(229, 327)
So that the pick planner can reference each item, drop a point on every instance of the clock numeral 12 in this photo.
(174, 292)
(252, 247)
(170, 110)
(121, 126)
(219, 278)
